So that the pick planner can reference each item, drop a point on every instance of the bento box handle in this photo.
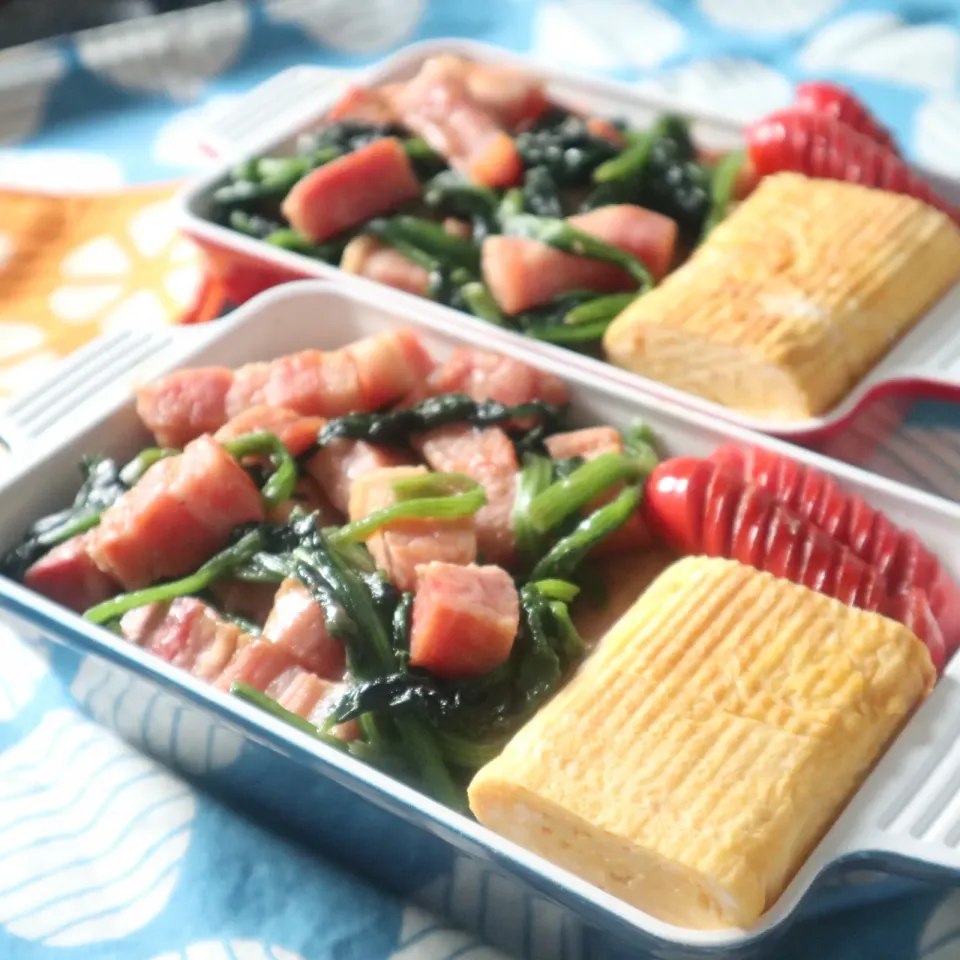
(105, 368)
(906, 817)
(927, 360)
(289, 100)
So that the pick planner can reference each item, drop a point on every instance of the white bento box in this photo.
(905, 820)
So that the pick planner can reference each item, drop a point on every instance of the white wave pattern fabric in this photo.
(22, 669)
(154, 721)
(174, 55)
(740, 89)
(92, 835)
(36, 68)
(882, 46)
(606, 34)
(350, 26)
(766, 17)
(936, 134)
(230, 950)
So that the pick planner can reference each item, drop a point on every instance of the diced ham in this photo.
(368, 257)
(363, 104)
(252, 601)
(296, 623)
(464, 620)
(400, 547)
(186, 633)
(650, 237)
(524, 273)
(180, 514)
(257, 664)
(185, 404)
(350, 190)
(295, 431)
(589, 444)
(488, 457)
(69, 575)
(484, 375)
(358, 378)
(337, 465)
(437, 105)
(312, 698)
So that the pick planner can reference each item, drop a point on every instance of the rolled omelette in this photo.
(708, 743)
(793, 298)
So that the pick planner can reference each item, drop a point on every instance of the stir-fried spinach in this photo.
(482, 711)
(562, 144)
(396, 427)
(658, 171)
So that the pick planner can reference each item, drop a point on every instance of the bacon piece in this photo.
(484, 375)
(464, 620)
(257, 664)
(296, 623)
(358, 378)
(364, 104)
(400, 547)
(186, 633)
(184, 404)
(336, 466)
(488, 457)
(437, 105)
(312, 698)
(352, 189)
(295, 431)
(368, 257)
(180, 514)
(69, 575)
(524, 273)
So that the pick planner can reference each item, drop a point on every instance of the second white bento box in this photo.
(926, 361)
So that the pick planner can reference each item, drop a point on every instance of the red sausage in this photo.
(822, 147)
(835, 101)
(899, 556)
(697, 506)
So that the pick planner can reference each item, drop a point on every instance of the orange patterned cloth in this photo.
(72, 267)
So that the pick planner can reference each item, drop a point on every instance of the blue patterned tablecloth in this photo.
(103, 853)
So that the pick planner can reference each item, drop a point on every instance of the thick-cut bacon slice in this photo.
(180, 514)
(358, 378)
(437, 104)
(464, 620)
(352, 189)
(403, 545)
